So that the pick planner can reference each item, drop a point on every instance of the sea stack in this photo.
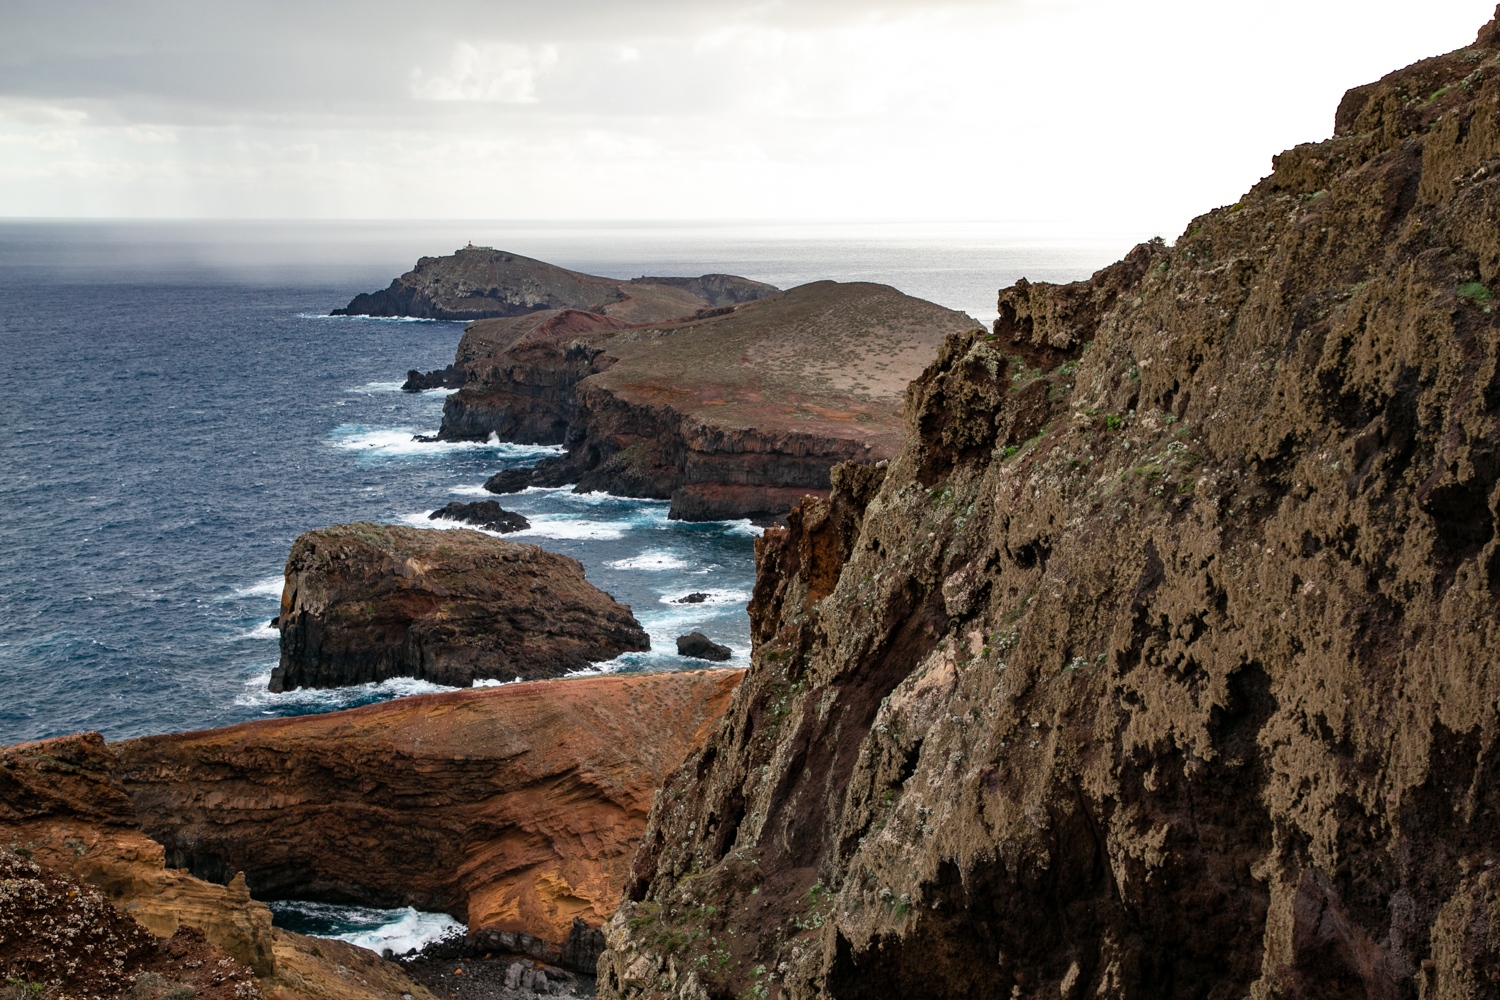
(367, 602)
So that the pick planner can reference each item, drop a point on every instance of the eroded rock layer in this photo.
(515, 808)
(480, 282)
(1164, 659)
(364, 602)
(89, 908)
(734, 413)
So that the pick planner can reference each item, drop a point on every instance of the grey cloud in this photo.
(177, 62)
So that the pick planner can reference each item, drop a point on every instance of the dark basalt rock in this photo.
(482, 514)
(509, 481)
(701, 647)
(452, 377)
(694, 598)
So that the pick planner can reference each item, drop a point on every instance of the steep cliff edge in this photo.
(514, 808)
(480, 282)
(735, 413)
(364, 602)
(1164, 659)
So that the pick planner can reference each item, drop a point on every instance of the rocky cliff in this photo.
(364, 602)
(735, 413)
(479, 282)
(1164, 659)
(514, 808)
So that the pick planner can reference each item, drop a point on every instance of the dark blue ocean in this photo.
(178, 407)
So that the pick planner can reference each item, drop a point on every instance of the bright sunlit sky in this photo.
(1084, 115)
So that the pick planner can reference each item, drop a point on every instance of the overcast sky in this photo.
(1085, 115)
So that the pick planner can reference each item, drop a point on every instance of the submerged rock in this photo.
(701, 647)
(509, 481)
(1163, 660)
(482, 514)
(366, 602)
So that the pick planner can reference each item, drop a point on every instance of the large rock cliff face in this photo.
(516, 808)
(364, 602)
(1164, 659)
(736, 413)
(480, 282)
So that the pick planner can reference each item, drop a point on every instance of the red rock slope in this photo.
(516, 808)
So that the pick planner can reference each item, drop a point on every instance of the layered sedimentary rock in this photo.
(733, 414)
(64, 813)
(515, 808)
(480, 282)
(365, 602)
(1164, 659)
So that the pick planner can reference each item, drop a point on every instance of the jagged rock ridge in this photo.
(1163, 660)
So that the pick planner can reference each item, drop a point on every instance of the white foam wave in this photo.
(400, 930)
(553, 526)
(261, 631)
(377, 319)
(413, 930)
(330, 699)
(470, 491)
(743, 527)
(269, 587)
(401, 442)
(650, 562)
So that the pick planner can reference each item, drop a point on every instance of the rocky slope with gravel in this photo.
(1162, 660)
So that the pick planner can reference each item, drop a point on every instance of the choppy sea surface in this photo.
(178, 407)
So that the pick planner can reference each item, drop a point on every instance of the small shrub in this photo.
(1112, 422)
(1475, 292)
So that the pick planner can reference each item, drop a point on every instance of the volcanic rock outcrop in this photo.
(365, 602)
(1164, 659)
(737, 413)
(480, 282)
(515, 808)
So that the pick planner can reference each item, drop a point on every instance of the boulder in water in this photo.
(482, 514)
(701, 647)
(693, 598)
(365, 602)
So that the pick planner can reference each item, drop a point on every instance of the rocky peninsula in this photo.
(481, 283)
(366, 602)
(516, 809)
(1162, 659)
(737, 413)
